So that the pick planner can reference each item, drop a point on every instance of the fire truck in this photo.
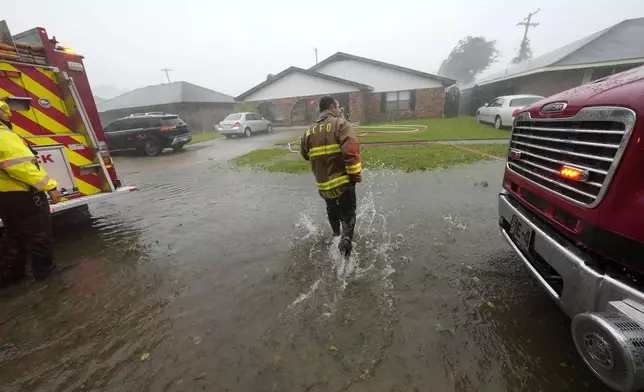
(572, 208)
(53, 109)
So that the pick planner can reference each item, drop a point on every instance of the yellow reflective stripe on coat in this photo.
(354, 169)
(18, 173)
(334, 183)
(324, 150)
(42, 184)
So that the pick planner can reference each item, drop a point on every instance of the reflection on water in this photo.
(226, 281)
(84, 324)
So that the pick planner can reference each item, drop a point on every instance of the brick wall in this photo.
(364, 106)
(357, 106)
(429, 103)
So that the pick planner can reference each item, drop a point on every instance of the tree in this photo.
(244, 107)
(469, 58)
(525, 52)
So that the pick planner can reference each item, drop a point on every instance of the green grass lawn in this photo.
(458, 128)
(199, 137)
(405, 158)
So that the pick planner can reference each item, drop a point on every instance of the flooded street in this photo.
(217, 280)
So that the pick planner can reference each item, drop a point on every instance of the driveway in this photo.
(217, 280)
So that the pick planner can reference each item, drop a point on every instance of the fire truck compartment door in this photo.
(54, 160)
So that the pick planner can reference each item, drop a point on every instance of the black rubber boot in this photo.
(44, 269)
(335, 226)
(345, 247)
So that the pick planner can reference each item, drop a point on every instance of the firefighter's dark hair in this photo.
(326, 102)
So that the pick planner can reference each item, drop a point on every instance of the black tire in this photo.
(478, 118)
(498, 123)
(152, 148)
(247, 132)
(228, 137)
(269, 128)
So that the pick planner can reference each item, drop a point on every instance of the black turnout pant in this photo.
(27, 235)
(342, 211)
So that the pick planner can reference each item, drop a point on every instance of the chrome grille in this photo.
(593, 140)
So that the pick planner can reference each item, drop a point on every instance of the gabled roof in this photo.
(161, 94)
(291, 70)
(620, 42)
(341, 56)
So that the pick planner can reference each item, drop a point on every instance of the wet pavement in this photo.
(216, 280)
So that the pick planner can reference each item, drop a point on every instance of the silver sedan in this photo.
(501, 110)
(246, 124)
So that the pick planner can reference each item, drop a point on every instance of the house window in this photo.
(398, 100)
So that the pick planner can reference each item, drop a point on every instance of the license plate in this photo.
(521, 232)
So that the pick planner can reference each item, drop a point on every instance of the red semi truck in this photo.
(53, 109)
(572, 208)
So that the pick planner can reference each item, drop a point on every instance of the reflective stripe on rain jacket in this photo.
(19, 169)
(332, 147)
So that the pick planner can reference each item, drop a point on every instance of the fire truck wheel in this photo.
(152, 148)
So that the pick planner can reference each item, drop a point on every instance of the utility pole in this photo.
(527, 24)
(316, 55)
(167, 73)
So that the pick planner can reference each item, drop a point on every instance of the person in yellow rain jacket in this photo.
(333, 148)
(24, 209)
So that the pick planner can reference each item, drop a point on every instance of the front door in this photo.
(343, 100)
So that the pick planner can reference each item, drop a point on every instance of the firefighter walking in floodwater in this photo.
(332, 147)
(24, 209)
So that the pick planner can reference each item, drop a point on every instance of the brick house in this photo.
(368, 90)
(199, 107)
(612, 50)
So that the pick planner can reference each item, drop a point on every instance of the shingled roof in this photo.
(620, 42)
(161, 94)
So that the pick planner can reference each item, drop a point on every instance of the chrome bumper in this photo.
(231, 131)
(584, 288)
(181, 140)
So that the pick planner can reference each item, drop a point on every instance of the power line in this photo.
(167, 73)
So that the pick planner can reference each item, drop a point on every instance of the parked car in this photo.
(237, 124)
(149, 133)
(502, 110)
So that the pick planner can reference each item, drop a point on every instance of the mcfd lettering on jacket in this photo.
(332, 146)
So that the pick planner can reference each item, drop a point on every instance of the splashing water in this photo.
(340, 311)
(371, 257)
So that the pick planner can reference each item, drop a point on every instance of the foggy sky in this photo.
(230, 46)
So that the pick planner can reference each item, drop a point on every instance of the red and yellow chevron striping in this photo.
(47, 122)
